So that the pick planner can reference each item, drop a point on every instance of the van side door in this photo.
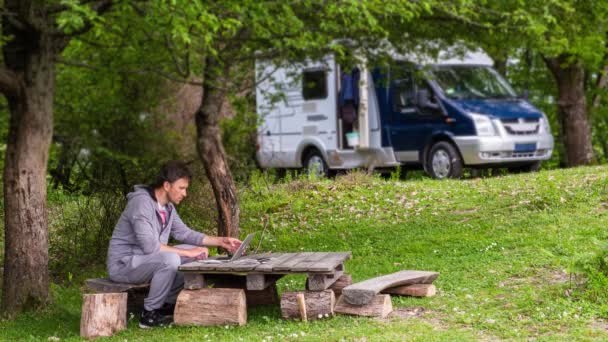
(411, 126)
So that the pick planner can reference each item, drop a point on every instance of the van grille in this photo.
(521, 126)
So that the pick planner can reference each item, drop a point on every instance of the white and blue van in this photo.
(444, 115)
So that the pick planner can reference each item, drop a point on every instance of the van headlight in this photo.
(483, 125)
(544, 125)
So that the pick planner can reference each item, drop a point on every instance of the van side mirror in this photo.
(525, 94)
(423, 99)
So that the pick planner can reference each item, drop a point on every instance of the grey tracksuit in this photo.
(134, 255)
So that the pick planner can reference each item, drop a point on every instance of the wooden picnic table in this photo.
(262, 270)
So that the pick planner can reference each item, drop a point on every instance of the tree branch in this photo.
(129, 71)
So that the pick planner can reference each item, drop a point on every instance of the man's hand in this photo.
(230, 244)
(197, 253)
(227, 243)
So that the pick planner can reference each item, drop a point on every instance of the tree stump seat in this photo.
(135, 292)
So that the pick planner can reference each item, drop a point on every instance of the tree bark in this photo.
(211, 151)
(572, 110)
(26, 278)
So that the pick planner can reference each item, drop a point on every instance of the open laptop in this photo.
(239, 253)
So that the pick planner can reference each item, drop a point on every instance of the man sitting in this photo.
(139, 252)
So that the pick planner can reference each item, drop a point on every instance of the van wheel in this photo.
(314, 164)
(532, 167)
(443, 161)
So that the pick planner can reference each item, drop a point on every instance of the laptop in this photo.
(239, 253)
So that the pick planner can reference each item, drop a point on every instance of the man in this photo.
(139, 252)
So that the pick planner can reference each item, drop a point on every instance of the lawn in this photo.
(505, 247)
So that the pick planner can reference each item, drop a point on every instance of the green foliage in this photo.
(79, 231)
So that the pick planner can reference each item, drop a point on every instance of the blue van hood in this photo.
(499, 108)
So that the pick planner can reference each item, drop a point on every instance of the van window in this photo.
(314, 84)
(403, 93)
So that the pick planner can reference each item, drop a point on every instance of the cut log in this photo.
(267, 296)
(207, 307)
(194, 281)
(379, 306)
(320, 282)
(261, 281)
(103, 314)
(416, 290)
(136, 292)
(342, 282)
(317, 304)
(361, 293)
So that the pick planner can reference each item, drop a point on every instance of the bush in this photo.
(80, 229)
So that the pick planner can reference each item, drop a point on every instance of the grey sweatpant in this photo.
(160, 269)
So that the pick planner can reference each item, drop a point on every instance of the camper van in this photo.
(443, 114)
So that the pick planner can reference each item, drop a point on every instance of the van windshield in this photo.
(471, 82)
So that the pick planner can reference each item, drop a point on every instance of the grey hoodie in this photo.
(139, 230)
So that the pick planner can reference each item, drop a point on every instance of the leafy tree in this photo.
(34, 34)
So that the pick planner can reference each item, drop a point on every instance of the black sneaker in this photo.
(167, 309)
(154, 318)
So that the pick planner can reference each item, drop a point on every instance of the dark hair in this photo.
(170, 172)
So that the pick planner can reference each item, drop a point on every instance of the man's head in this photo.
(173, 180)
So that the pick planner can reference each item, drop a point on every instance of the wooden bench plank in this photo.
(361, 293)
(104, 285)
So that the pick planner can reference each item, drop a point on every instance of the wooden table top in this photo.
(274, 263)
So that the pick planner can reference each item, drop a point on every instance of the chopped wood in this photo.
(342, 282)
(261, 281)
(301, 301)
(415, 290)
(194, 281)
(378, 306)
(318, 304)
(103, 314)
(320, 282)
(208, 307)
(363, 292)
(267, 296)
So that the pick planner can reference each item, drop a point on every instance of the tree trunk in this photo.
(26, 278)
(211, 152)
(572, 110)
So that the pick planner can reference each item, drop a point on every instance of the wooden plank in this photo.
(361, 293)
(415, 290)
(243, 265)
(378, 306)
(320, 282)
(310, 261)
(104, 285)
(261, 281)
(269, 266)
(287, 265)
(331, 262)
(194, 281)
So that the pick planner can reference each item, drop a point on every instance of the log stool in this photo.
(135, 292)
(103, 314)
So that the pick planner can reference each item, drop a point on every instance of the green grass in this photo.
(503, 245)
